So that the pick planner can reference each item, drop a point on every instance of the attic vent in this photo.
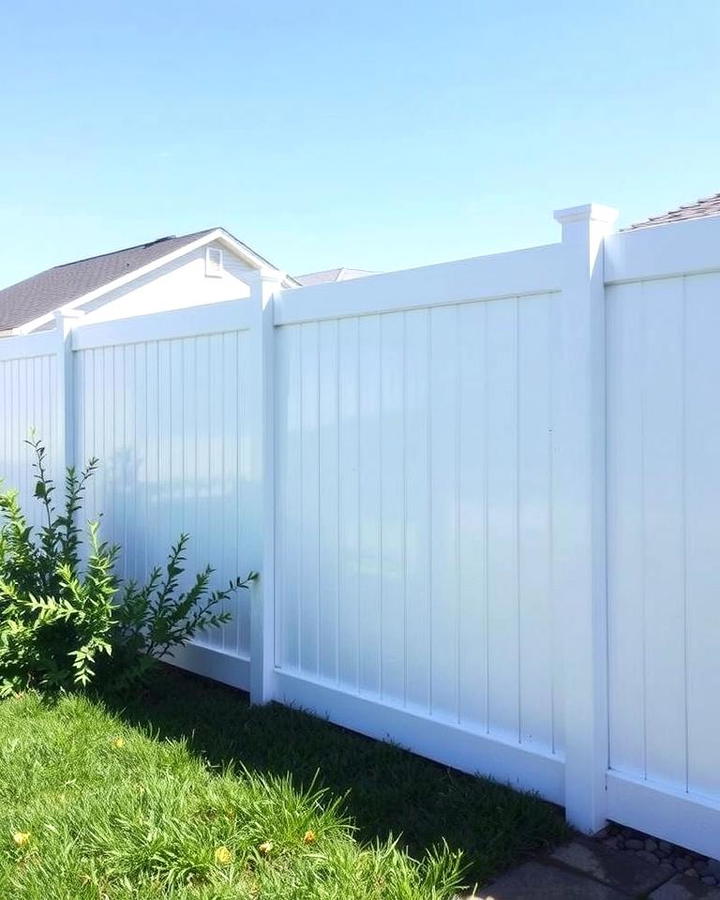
(213, 262)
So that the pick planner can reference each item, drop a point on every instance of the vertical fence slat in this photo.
(348, 525)
(418, 510)
(328, 491)
(472, 516)
(370, 502)
(392, 512)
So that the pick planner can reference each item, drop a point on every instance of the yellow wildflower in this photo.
(20, 838)
(223, 856)
(309, 837)
(265, 847)
(119, 743)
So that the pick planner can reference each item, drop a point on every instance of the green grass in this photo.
(176, 795)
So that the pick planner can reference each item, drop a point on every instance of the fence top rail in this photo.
(26, 346)
(689, 247)
(192, 321)
(536, 270)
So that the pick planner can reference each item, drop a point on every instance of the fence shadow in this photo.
(387, 790)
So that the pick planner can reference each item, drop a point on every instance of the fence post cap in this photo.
(588, 212)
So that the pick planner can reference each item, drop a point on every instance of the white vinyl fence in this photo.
(484, 498)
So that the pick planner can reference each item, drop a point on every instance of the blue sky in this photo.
(371, 134)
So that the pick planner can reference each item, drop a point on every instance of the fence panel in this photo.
(168, 420)
(414, 519)
(663, 540)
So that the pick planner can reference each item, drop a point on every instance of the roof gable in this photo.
(47, 291)
(36, 298)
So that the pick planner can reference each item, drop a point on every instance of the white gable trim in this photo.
(218, 235)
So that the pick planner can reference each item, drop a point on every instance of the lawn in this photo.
(188, 792)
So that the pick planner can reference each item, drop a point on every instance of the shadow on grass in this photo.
(387, 789)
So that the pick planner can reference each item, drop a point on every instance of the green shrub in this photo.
(65, 622)
(153, 618)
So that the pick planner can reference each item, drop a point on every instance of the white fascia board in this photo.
(250, 257)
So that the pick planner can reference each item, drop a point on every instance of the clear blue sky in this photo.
(379, 134)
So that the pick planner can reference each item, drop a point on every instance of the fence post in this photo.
(580, 500)
(262, 608)
(63, 447)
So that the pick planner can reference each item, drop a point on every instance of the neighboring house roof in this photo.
(706, 206)
(329, 275)
(40, 295)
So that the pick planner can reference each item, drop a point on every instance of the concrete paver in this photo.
(622, 871)
(543, 881)
(683, 888)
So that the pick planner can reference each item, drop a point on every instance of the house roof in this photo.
(706, 206)
(330, 275)
(40, 295)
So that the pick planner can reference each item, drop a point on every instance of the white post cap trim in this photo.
(589, 212)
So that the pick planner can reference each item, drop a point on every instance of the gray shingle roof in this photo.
(706, 206)
(43, 293)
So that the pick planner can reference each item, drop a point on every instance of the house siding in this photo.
(176, 285)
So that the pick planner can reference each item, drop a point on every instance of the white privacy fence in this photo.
(484, 498)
